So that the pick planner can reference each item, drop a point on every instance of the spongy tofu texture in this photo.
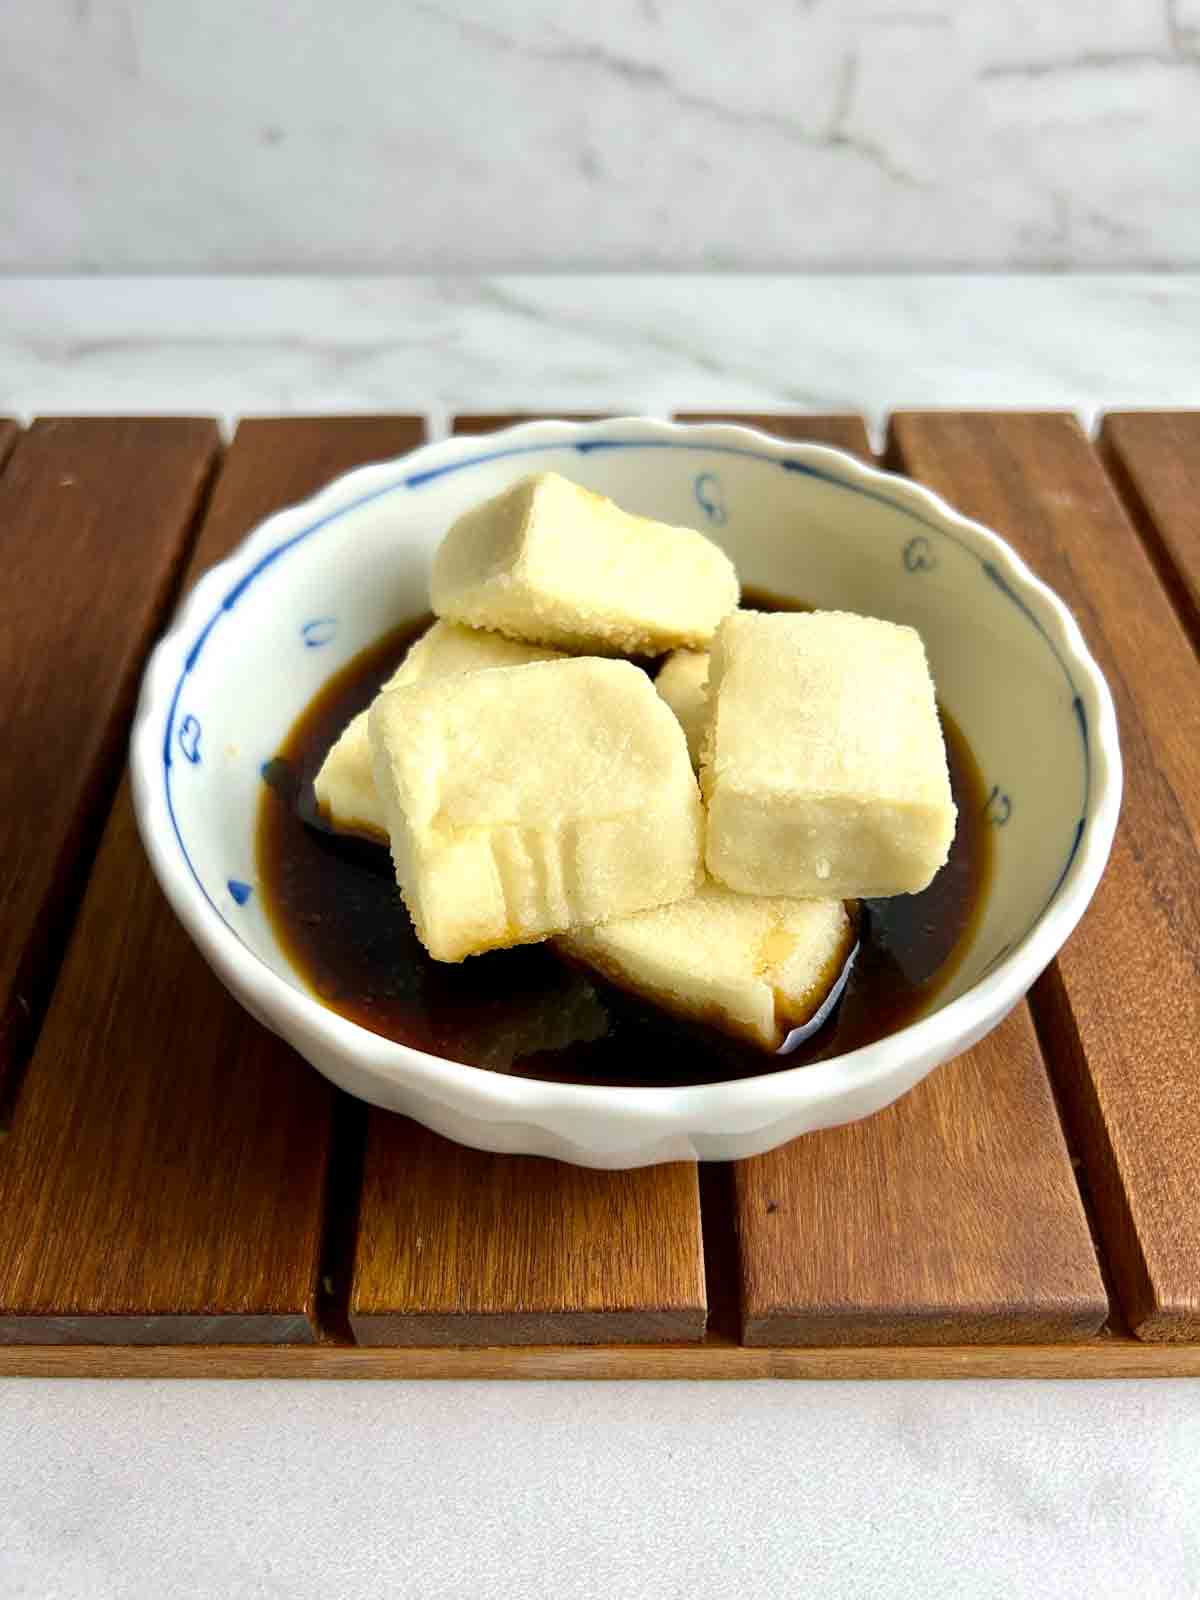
(525, 801)
(682, 681)
(752, 966)
(345, 785)
(445, 648)
(556, 564)
(824, 768)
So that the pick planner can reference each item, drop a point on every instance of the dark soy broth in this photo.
(338, 915)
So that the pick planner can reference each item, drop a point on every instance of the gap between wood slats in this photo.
(1055, 1028)
(719, 1239)
(343, 1201)
(8, 438)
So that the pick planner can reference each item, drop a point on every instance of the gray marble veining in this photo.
(648, 344)
(532, 134)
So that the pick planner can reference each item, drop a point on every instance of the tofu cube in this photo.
(345, 784)
(445, 649)
(754, 967)
(682, 681)
(525, 801)
(553, 563)
(825, 770)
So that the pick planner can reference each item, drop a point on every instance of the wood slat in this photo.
(95, 520)
(1097, 1358)
(951, 1217)
(512, 1250)
(1154, 459)
(1120, 1010)
(276, 461)
(165, 1172)
(456, 1247)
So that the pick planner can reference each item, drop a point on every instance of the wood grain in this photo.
(511, 1250)
(1120, 1011)
(1097, 1358)
(165, 1176)
(456, 1247)
(96, 516)
(276, 461)
(951, 1216)
(1153, 457)
(165, 1172)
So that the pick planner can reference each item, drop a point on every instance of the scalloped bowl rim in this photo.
(659, 1113)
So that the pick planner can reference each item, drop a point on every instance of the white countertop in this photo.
(648, 344)
(477, 1491)
(634, 134)
(580, 1489)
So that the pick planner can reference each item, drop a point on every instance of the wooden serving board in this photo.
(181, 1195)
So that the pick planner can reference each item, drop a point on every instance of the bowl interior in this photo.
(313, 590)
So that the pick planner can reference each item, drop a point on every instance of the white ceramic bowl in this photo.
(312, 586)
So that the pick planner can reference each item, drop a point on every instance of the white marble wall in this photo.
(577, 342)
(491, 134)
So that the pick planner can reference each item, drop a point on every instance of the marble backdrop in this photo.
(528, 134)
(578, 342)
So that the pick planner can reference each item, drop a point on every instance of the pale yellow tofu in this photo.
(525, 801)
(345, 785)
(682, 681)
(445, 648)
(751, 966)
(556, 564)
(825, 769)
